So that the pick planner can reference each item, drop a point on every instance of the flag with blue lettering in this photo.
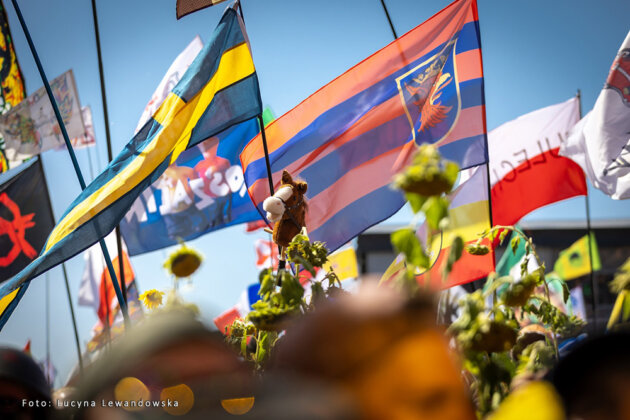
(201, 192)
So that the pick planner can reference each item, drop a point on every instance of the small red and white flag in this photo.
(266, 254)
(526, 169)
(255, 226)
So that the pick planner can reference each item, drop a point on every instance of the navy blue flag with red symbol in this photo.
(25, 221)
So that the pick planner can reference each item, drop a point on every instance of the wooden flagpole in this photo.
(75, 164)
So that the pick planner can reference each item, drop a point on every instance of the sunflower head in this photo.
(151, 298)
(183, 262)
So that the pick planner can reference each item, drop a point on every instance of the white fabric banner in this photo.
(30, 127)
(520, 141)
(170, 79)
(600, 142)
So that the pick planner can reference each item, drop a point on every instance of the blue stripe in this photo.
(4, 317)
(326, 171)
(227, 103)
(471, 93)
(227, 35)
(468, 38)
(467, 152)
(124, 158)
(358, 216)
(338, 119)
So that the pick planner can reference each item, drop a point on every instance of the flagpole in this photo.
(389, 19)
(589, 234)
(47, 306)
(65, 274)
(121, 265)
(265, 148)
(75, 164)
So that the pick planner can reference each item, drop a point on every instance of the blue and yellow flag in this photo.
(219, 90)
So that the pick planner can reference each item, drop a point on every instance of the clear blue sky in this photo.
(536, 53)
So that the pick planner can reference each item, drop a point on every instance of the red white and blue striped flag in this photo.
(350, 137)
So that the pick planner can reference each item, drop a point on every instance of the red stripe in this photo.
(541, 180)
(468, 268)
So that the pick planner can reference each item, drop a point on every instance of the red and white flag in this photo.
(96, 288)
(600, 143)
(266, 254)
(526, 169)
(170, 79)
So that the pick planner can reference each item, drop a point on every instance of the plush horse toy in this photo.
(287, 210)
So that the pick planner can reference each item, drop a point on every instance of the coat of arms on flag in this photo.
(430, 96)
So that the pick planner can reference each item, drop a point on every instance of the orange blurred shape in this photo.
(131, 389)
(181, 397)
(238, 406)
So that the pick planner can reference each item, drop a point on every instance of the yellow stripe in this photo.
(236, 64)
(6, 301)
(467, 221)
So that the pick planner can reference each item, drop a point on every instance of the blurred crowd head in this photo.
(372, 355)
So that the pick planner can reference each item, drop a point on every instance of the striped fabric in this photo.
(350, 137)
(470, 215)
(219, 89)
(185, 7)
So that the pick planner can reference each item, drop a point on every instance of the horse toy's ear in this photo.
(286, 178)
(301, 186)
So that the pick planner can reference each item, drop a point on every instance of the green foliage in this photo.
(621, 281)
(427, 175)
(457, 248)
(477, 249)
(282, 298)
(406, 242)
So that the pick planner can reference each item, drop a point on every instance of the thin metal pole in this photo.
(389, 19)
(267, 163)
(110, 157)
(46, 279)
(74, 321)
(75, 164)
(589, 234)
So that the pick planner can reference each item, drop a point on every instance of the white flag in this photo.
(170, 79)
(30, 127)
(600, 142)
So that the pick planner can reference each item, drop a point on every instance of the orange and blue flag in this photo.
(350, 137)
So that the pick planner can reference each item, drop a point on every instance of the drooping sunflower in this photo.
(183, 262)
(151, 298)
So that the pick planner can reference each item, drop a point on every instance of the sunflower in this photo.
(183, 262)
(151, 298)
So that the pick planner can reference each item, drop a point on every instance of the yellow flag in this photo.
(344, 263)
(575, 261)
(538, 400)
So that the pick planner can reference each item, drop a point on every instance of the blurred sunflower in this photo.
(151, 298)
(183, 262)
